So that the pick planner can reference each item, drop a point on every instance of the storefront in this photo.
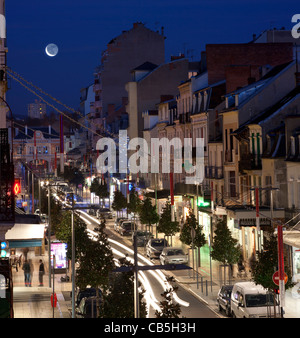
(292, 240)
(242, 223)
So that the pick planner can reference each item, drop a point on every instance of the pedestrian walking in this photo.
(41, 273)
(27, 275)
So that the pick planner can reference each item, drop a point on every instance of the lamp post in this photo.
(42, 183)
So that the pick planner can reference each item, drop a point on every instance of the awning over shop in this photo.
(292, 238)
(248, 217)
(25, 235)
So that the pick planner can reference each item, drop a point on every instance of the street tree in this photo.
(225, 248)
(168, 308)
(96, 264)
(73, 176)
(100, 189)
(55, 209)
(165, 224)
(64, 234)
(119, 301)
(119, 203)
(147, 213)
(134, 203)
(191, 232)
(266, 264)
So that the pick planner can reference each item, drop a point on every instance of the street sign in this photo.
(276, 278)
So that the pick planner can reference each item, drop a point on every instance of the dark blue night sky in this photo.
(82, 29)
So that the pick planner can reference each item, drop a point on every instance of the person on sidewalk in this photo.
(41, 273)
(27, 276)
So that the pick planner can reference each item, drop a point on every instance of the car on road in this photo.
(105, 213)
(88, 292)
(92, 210)
(87, 307)
(118, 222)
(126, 228)
(142, 237)
(250, 300)
(155, 246)
(172, 255)
(224, 299)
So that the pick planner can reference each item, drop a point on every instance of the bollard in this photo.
(53, 304)
(201, 284)
(206, 287)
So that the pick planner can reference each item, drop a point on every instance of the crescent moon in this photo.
(51, 49)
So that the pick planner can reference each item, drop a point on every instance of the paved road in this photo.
(191, 306)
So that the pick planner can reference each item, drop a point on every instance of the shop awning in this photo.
(292, 238)
(25, 235)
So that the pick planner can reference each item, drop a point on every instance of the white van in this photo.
(249, 300)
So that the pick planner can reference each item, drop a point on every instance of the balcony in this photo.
(214, 172)
(249, 163)
(185, 118)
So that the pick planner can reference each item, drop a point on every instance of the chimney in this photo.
(49, 129)
(25, 130)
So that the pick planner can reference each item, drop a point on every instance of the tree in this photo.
(73, 176)
(119, 203)
(147, 213)
(190, 226)
(267, 263)
(165, 224)
(119, 301)
(134, 203)
(96, 263)
(99, 189)
(55, 209)
(169, 309)
(225, 248)
(64, 234)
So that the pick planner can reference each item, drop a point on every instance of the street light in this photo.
(47, 184)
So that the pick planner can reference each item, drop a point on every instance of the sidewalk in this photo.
(35, 301)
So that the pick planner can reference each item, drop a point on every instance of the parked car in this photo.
(104, 212)
(224, 299)
(142, 237)
(172, 255)
(126, 228)
(93, 210)
(88, 292)
(87, 307)
(155, 246)
(118, 222)
(249, 300)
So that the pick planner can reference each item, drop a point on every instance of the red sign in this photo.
(17, 186)
(276, 278)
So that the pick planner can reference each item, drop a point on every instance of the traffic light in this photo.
(17, 186)
(276, 291)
